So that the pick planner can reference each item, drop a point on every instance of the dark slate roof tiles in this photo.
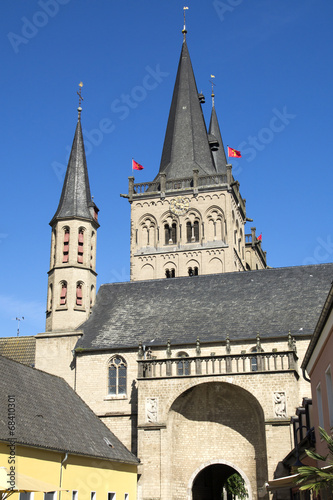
(21, 349)
(186, 143)
(50, 415)
(75, 198)
(269, 301)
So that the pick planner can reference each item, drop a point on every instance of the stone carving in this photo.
(151, 410)
(280, 404)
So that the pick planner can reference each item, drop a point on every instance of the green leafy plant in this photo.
(316, 478)
(235, 486)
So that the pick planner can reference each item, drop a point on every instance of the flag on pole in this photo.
(259, 237)
(136, 165)
(233, 153)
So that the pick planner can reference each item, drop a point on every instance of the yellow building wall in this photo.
(79, 473)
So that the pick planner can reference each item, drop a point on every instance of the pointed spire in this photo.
(186, 143)
(215, 140)
(75, 200)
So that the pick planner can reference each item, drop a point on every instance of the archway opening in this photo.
(211, 483)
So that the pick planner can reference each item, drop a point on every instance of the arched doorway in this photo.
(211, 482)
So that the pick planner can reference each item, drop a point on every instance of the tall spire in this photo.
(75, 200)
(186, 144)
(215, 139)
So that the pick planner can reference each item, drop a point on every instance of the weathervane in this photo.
(184, 29)
(213, 85)
(80, 98)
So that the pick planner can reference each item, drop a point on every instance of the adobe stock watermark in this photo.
(249, 148)
(224, 7)
(121, 109)
(30, 27)
(322, 253)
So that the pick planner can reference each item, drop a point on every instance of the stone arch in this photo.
(216, 462)
(194, 265)
(147, 231)
(147, 272)
(170, 269)
(216, 223)
(216, 422)
(215, 265)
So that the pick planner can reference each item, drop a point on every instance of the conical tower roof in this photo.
(75, 200)
(186, 144)
(218, 151)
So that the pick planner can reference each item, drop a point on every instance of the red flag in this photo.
(233, 153)
(259, 237)
(136, 165)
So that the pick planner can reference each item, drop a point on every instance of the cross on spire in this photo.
(213, 85)
(80, 98)
(184, 31)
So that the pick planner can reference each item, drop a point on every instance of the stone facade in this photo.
(65, 268)
(186, 228)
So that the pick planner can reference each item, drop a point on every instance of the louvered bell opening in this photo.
(201, 98)
(213, 142)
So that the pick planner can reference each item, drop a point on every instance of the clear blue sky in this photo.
(274, 79)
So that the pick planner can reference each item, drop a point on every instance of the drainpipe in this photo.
(61, 465)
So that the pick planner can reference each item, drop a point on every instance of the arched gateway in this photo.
(214, 429)
(208, 481)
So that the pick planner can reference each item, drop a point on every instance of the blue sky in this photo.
(273, 67)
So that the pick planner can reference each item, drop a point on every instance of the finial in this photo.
(213, 85)
(184, 31)
(80, 99)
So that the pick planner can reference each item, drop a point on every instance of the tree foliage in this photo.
(235, 486)
(316, 478)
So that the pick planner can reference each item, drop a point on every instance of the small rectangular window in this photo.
(320, 406)
(111, 496)
(26, 496)
(93, 495)
(51, 495)
(126, 497)
(329, 390)
(75, 495)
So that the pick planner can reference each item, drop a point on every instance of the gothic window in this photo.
(63, 293)
(80, 247)
(192, 231)
(188, 232)
(254, 360)
(65, 251)
(196, 230)
(193, 271)
(79, 298)
(183, 365)
(117, 376)
(170, 233)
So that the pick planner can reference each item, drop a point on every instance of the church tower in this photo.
(191, 219)
(72, 275)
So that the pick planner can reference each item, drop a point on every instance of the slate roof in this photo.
(186, 144)
(75, 198)
(219, 156)
(21, 349)
(269, 301)
(50, 415)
